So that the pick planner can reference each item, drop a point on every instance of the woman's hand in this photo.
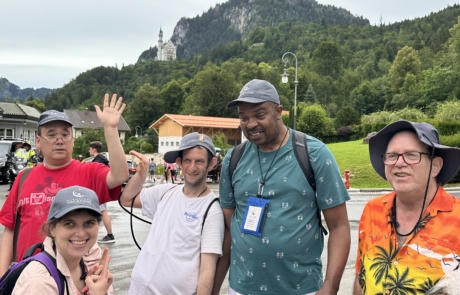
(99, 278)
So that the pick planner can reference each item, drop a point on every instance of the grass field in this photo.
(354, 156)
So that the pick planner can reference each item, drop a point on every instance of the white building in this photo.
(165, 51)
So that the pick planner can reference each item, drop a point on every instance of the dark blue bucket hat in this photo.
(426, 134)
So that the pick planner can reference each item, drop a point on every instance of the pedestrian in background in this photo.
(172, 172)
(166, 172)
(152, 169)
(95, 149)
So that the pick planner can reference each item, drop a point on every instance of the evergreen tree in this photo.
(310, 96)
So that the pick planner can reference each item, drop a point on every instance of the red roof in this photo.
(200, 121)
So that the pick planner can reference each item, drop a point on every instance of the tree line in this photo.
(345, 71)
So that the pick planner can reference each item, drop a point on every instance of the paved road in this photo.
(124, 252)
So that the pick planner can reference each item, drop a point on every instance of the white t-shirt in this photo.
(169, 262)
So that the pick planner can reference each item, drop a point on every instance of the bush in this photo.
(376, 121)
(314, 121)
(347, 116)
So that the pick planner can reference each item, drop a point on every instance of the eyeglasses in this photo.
(410, 158)
(54, 138)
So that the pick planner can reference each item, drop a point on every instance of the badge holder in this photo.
(255, 214)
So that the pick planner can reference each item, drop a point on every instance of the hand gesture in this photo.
(110, 115)
(99, 278)
(143, 167)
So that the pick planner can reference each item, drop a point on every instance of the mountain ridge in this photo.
(9, 90)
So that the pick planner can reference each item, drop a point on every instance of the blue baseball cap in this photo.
(256, 91)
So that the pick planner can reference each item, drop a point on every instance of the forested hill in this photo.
(234, 20)
(344, 68)
(10, 91)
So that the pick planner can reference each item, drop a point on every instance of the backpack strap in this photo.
(17, 217)
(234, 159)
(29, 255)
(206, 213)
(299, 144)
(30, 252)
(50, 263)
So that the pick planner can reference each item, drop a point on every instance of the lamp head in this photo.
(284, 76)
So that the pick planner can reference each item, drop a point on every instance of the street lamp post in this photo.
(285, 80)
(139, 135)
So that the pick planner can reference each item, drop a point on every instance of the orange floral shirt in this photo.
(425, 257)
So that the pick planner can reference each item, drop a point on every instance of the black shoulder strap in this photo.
(299, 144)
(235, 158)
(206, 213)
(17, 217)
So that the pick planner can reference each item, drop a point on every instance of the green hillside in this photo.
(347, 70)
(354, 156)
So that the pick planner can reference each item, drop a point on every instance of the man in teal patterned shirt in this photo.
(272, 229)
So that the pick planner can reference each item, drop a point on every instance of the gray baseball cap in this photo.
(189, 141)
(52, 115)
(426, 134)
(71, 199)
(257, 91)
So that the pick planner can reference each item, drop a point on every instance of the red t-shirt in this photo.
(40, 188)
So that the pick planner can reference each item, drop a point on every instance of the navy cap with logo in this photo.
(52, 115)
(256, 91)
(190, 141)
(71, 199)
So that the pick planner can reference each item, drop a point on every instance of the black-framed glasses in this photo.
(410, 158)
(54, 138)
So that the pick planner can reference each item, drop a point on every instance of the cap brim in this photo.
(246, 99)
(68, 210)
(52, 120)
(379, 142)
(171, 156)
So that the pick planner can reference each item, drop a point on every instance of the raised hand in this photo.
(99, 278)
(111, 113)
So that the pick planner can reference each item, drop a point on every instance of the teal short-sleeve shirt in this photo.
(286, 259)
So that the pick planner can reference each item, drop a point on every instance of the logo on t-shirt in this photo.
(190, 216)
(37, 198)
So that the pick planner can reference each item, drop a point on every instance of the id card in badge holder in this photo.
(254, 216)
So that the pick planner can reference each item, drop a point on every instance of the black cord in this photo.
(262, 181)
(393, 218)
(131, 216)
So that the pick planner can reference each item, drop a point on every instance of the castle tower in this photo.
(166, 51)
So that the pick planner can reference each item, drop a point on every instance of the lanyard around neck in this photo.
(260, 189)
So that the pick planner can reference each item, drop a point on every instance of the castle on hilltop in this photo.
(166, 51)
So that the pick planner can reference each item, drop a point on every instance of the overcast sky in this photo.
(49, 42)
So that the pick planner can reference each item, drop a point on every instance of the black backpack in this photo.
(299, 143)
(8, 280)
